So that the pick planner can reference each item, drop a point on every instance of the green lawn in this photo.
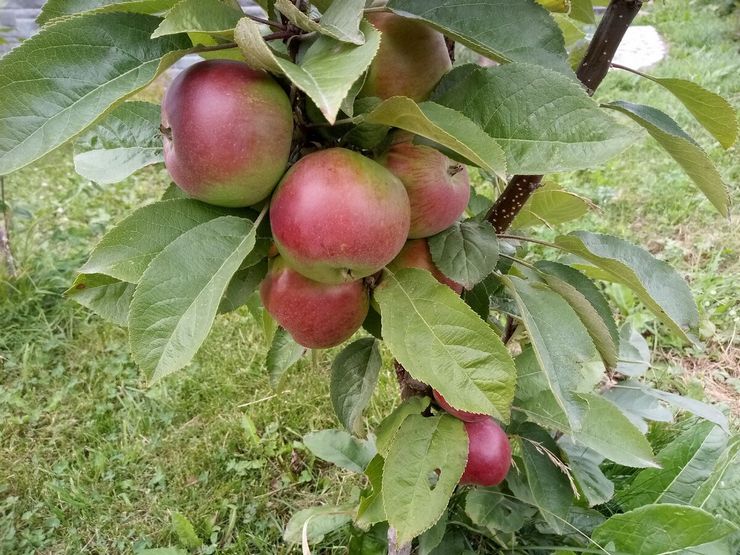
(91, 461)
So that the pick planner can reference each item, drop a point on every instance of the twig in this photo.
(5, 234)
(273, 24)
(393, 547)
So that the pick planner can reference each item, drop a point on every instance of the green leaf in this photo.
(59, 8)
(442, 125)
(720, 492)
(582, 10)
(177, 298)
(661, 529)
(424, 464)
(655, 283)
(185, 532)
(430, 539)
(340, 448)
(388, 428)
(634, 352)
(496, 511)
(550, 206)
(711, 110)
(107, 297)
(682, 148)
(284, 352)
(317, 522)
(244, 283)
(127, 249)
(200, 16)
(697, 408)
(544, 121)
(565, 352)
(370, 510)
(439, 340)
(494, 28)
(465, 252)
(685, 462)
(63, 79)
(354, 375)
(327, 70)
(127, 140)
(341, 20)
(584, 465)
(637, 405)
(558, 6)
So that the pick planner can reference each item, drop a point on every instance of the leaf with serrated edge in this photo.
(466, 252)
(54, 9)
(661, 529)
(424, 449)
(584, 465)
(697, 408)
(128, 248)
(551, 206)
(656, 284)
(544, 121)
(634, 352)
(200, 16)
(354, 375)
(340, 448)
(388, 428)
(682, 148)
(284, 352)
(50, 93)
(439, 340)
(441, 125)
(327, 70)
(720, 493)
(126, 140)
(318, 522)
(497, 511)
(172, 310)
(341, 20)
(107, 297)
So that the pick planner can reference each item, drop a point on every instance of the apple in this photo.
(438, 188)
(415, 254)
(459, 414)
(338, 216)
(317, 315)
(227, 132)
(411, 59)
(489, 453)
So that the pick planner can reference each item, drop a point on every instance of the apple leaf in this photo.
(244, 283)
(557, 6)
(493, 28)
(341, 20)
(544, 121)
(584, 465)
(127, 249)
(200, 16)
(720, 492)
(354, 375)
(327, 70)
(178, 296)
(441, 125)
(682, 148)
(424, 464)
(54, 9)
(284, 352)
(107, 297)
(582, 10)
(432, 537)
(465, 252)
(370, 510)
(656, 284)
(126, 140)
(550, 206)
(63, 79)
(685, 462)
(316, 522)
(634, 352)
(439, 340)
(661, 529)
(588, 302)
(497, 511)
(561, 343)
(388, 428)
(637, 404)
(340, 448)
(697, 408)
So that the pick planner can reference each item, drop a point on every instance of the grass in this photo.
(91, 461)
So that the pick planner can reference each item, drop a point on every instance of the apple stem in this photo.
(166, 131)
(454, 169)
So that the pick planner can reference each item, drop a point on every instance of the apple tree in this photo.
(321, 155)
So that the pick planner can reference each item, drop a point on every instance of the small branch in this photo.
(591, 71)
(529, 240)
(5, 234)
(393, 547)
(215, 47)
(408, 385)
(273, 24)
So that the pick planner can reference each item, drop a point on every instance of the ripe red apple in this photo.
(438, 188)
(415, 254)
(339, 216)
(489, 453)
(317, 315)
(227, 132)
(411, 60)
(460, 414)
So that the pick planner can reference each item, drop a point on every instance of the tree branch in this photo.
(591, 71)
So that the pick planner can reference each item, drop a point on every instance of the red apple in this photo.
(438, 188)
(415, 254)
(489, 454)
(338, 216)
(411, 60)
(317, 315)
(460, 414)
(227, 132)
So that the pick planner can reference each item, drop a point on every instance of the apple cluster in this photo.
(337, 216)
